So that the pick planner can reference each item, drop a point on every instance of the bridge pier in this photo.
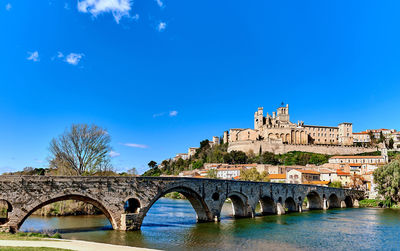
(279, 209)
(343, 204)
(130, 222)
(325, 205)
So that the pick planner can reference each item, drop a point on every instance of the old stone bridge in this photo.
(125, 201)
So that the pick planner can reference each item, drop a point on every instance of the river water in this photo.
(171, 225)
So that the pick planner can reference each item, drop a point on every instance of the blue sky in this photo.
(163, 75)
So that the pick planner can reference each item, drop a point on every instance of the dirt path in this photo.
(70, 244)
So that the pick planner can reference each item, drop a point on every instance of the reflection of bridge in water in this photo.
(126, 200)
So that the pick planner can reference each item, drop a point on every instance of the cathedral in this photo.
(278, 129)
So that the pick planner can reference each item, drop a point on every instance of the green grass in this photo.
(31, 249)
(22, 236)
(370, 203)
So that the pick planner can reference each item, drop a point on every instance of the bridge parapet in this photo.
(125, 201)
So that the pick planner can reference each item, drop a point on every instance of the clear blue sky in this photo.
(164, 75)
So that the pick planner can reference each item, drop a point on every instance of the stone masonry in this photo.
(125, 201)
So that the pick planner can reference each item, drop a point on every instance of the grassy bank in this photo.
(375, 203)
(32, 249)
(22, 236)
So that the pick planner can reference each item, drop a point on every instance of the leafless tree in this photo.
(82, 149)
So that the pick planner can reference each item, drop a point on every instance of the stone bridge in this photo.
(125, 201)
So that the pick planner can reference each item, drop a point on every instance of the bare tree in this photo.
(81, 149)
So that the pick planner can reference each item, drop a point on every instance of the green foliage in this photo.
(174, 195)
(152, 164)
(303, 158)
(253, 175)
(198, 164)
(376, 153)
(381, 137)
(370, 203)
(153, 172)
(391, 143)
(336, 184)
(235, 157)
(387, 179)
(212, 174)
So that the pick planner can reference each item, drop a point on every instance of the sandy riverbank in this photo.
(69, 244)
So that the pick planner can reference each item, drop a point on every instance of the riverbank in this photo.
(34, 241)
(373, 203)
(68, 245)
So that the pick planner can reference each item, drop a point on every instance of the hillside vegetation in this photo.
(219, 154)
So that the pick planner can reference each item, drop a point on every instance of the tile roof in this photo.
(308, 171)
(277, 176)
(357, 157)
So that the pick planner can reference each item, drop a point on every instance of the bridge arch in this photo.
(290, 205)
(203, 213)
(106, 211)
(5, 209)
(348, 201)
(240, 205)
(267, 205)
(314, 200)
(333, 201)
(132, 205)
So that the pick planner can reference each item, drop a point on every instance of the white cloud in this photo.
(173, 113)
(8, 6)
(158, 114)
(66, 6)
(60, 54)
(135, 145)
(118, 8)
(160, 3)
(114, 154)
(161, 26)
(73, 58)
(135, 17)
(34, 56)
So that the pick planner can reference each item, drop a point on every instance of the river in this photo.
(171, 225)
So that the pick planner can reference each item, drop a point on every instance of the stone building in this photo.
(276, 133)
(278, 129)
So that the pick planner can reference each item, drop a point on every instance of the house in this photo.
(228, 173)
(277, 178)
(296, 176)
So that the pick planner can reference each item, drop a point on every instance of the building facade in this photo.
(277, 128)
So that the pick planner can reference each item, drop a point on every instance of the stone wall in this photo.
(255, 146)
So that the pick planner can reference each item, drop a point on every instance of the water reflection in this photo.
(171, 224)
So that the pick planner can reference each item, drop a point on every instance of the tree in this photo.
(152, 164)
(356, 181)
(253, 175)
(132, 171)
(381, 137)
(212, 174)
(235, 157)
(82, 149)
(391, 143)
(387, 179)
(198, 164)
(336, 184)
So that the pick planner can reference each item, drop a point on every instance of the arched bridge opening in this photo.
(5, 209)
(267, 206)
(333, 201)
(76, 197)
(168, 211)
(312, 201)
(239, 204)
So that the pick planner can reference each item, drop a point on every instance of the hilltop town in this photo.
(282, 151)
